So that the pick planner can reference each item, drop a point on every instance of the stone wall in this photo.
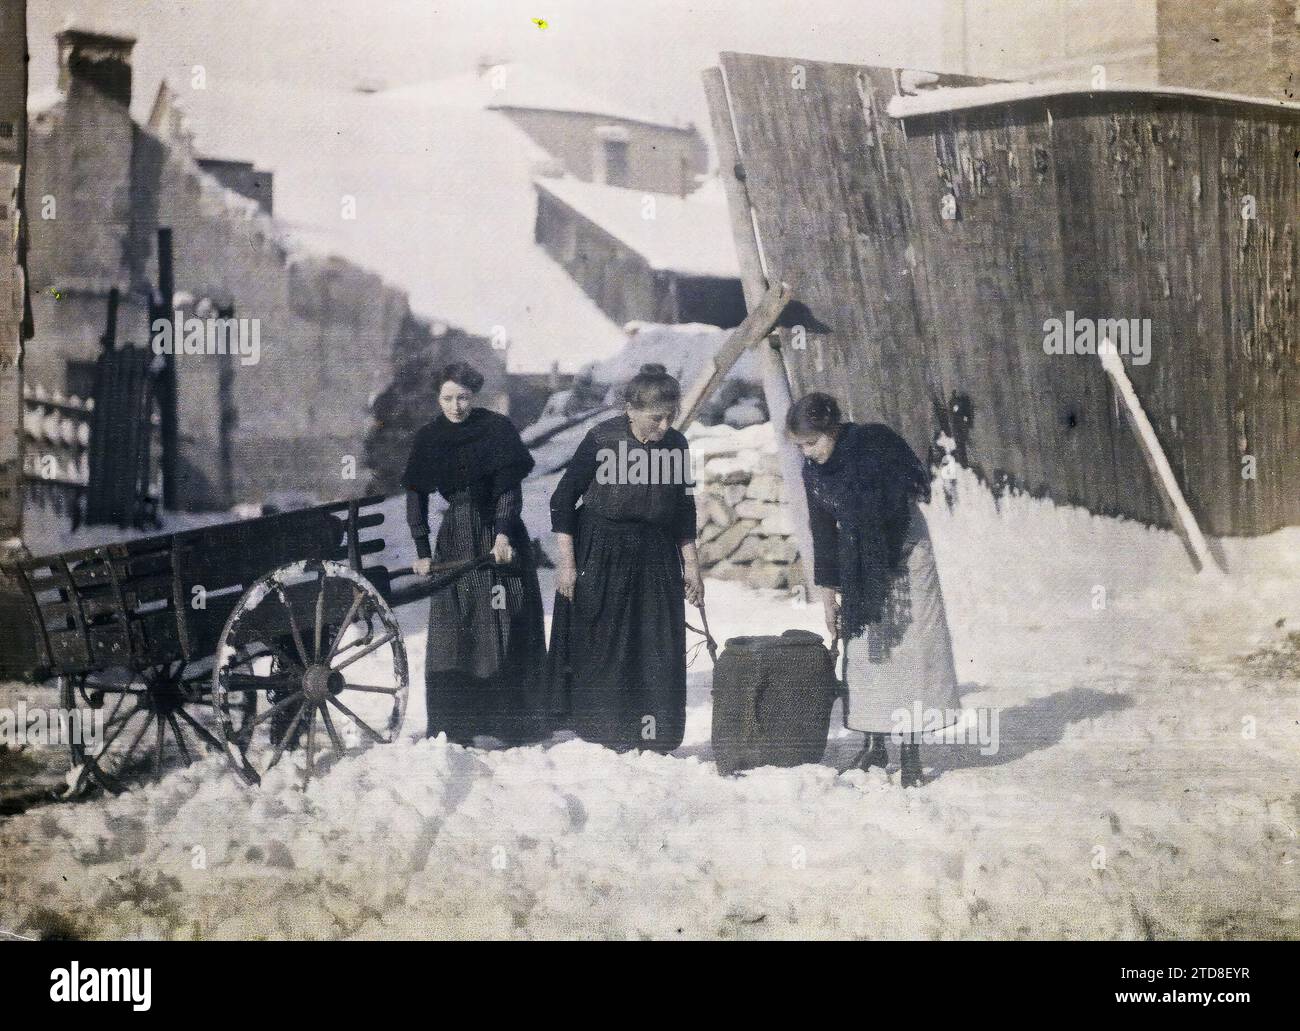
(744, 531)
(13, 130)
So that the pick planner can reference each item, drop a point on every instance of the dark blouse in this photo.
(859, 510)
(605, 477)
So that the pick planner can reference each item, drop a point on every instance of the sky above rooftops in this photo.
(647, 57)
(443, 186)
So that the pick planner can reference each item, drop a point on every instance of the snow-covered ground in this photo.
(1145, 785)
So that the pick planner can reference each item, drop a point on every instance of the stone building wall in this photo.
(13, 123)
(1234, 46)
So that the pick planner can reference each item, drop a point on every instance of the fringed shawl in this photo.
(868, 484)
(448, 457)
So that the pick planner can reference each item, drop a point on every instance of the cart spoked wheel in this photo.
(335, 678)
(144, 723)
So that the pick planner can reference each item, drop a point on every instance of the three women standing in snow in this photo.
(872, 546)
(487, 644)
(627, 563)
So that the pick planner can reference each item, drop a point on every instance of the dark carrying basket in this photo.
(772, 699)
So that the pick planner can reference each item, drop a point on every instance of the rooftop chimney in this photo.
(98, 59)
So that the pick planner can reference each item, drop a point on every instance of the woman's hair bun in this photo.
(463, 374)
(817, 412)
(652, 387)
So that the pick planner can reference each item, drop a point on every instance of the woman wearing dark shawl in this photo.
(871, 544)
(487, 642)
(627, 563)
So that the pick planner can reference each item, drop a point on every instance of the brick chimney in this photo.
(98, 59)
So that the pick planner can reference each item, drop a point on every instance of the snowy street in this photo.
(1144, 786)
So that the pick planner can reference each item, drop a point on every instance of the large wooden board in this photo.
(1110, 205)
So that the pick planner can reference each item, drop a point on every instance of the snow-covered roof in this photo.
(684, 349)
(43, 100)
(957, 98)
(688, 235)
(79, 28)
(516, 85)
(444, 204)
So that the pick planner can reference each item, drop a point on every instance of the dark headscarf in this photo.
(449, 456)
(869, 483)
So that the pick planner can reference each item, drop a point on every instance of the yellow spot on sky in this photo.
(541, 23)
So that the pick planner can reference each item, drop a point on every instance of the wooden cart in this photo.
(254, 638)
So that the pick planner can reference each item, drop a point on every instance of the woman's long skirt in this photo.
(486, 649)
(900, 674)
(617, 663)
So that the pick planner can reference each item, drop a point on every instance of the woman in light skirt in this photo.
(873, 559)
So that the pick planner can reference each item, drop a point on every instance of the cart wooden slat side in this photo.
(135, 603)
(176, 624)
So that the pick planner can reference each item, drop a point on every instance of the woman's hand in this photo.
(566, 566)
(502, 550)
(691, 573)
(566, 579)
(422, 566)
(694, 585)
(831, 607)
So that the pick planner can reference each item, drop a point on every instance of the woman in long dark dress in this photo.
(872, 547)
(487, 642)
(626, 565)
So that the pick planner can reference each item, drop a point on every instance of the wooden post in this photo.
(227, 418)
(167, 379)
(753, 279)
(1161, 471)
(108, 342)
(756, 327)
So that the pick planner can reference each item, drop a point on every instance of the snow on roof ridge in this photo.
(957, 98)
(79, 24)
(43, 101)
(524, 88)
(636, 326)
(542, 91)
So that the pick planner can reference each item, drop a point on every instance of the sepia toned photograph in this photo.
(677, 471)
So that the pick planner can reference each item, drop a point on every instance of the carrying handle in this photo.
(444, 573)
(709, 642)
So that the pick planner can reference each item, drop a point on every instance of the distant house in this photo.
(597, 141)
(643, 256)
(168, 121)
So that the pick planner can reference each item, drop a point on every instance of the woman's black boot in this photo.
(909, 758)
(874, 753)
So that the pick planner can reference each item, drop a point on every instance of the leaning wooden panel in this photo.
(931, 233)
